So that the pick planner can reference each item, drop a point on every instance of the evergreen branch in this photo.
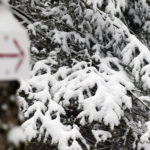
(21, 15)
(131, 93)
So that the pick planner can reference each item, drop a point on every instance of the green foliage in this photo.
(90, 73)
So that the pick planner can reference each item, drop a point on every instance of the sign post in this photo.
(14, 65)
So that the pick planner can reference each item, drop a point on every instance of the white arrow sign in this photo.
(14, 48)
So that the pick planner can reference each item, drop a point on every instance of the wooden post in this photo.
(8, 112)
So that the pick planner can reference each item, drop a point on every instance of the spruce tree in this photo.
(89, 86)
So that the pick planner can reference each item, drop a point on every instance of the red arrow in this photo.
(20, 55)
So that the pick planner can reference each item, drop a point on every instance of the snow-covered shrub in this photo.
(57, 106)
(90, 74)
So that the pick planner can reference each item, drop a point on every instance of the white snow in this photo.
(16, 136)
(97, 94)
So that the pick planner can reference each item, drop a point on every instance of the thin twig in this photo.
(138, 99)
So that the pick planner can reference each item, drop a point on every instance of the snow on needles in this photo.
(82, 87)
(84, 80)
